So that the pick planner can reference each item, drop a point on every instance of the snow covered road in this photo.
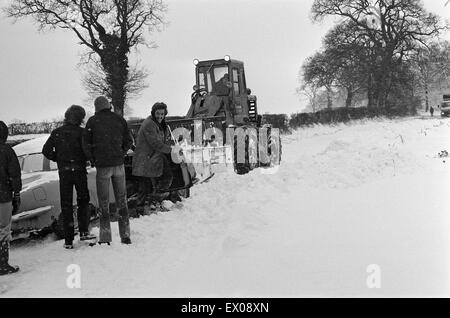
(344, 197)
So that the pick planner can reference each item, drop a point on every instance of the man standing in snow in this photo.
(106, 142)
(65, 147)
(431, 111)
(150, 159)
(10, 186)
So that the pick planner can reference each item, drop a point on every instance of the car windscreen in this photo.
(35, 162)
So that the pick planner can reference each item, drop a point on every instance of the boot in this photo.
(126, 240)
(5, 268)
(86, 236)
(175, 197)
(68, 246)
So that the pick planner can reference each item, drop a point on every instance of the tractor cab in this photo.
(221, 92)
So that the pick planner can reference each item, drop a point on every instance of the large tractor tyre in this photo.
(277, 147)
(280, 149)
(241, 167)
(263, 163)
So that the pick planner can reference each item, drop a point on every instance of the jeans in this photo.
(67, 180)
(116, 175)
(5, 221)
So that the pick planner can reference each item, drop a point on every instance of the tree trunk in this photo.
(116, 78)
(371, 100)
(329, 98)
(115, 63)
(349, 99)
(385, 77)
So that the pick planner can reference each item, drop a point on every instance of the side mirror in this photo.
(249, 91)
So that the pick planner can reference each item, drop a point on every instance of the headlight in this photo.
(227, 58)
(196, 62)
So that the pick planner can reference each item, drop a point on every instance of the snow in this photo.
(344, 197)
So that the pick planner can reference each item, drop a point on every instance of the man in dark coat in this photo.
(221, 88)
(10, 187)
(65, 147)
(106, 142)
(150, 159)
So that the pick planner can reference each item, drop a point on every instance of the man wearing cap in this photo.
(106, 142)
(150, 161)
(65, 147)
(10, 187)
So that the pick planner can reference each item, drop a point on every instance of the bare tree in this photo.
(349, 55)
(310, 91)
(108, 28)
(319, 71)
(95, 82)
(432, 66)
(393, 29)
(340, 67)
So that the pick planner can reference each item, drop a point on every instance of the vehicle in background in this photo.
(40, 209)
(445, 105)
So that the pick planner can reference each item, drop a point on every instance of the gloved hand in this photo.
(16, 202)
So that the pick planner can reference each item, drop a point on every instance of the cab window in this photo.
(236, 81)
(208, 76)
(204, 81)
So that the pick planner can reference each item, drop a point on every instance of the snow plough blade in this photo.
(206, 161)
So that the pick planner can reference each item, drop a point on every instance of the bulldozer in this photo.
(222, 125)
(221, 130)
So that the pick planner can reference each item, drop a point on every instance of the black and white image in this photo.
(233, 148)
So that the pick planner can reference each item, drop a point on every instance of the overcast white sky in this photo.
(39, 76)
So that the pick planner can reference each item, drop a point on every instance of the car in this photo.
(40, 209)
(445, 108)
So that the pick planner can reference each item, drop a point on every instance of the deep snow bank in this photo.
(344, 197)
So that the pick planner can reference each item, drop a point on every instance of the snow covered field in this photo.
(344, 197)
